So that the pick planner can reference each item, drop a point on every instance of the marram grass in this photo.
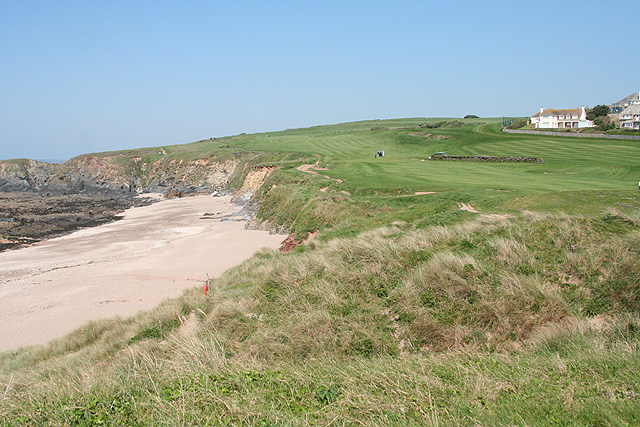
(497, 321)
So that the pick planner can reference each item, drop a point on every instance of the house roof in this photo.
(631, 110)
(553, 112)
(634, 97)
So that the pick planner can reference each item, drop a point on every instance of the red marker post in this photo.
(206, 285)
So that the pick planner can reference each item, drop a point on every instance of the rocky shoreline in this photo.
(41, 200)
(116, 175)
(27, 218)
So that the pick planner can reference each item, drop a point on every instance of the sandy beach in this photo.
(117, 269)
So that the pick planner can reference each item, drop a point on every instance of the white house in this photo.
(560, 119)
(630, 117)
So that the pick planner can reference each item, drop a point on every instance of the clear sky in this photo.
(89, 76)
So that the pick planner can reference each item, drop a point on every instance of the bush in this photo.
(490, 159)
(471, 116)
(442, 124)
(604, 123)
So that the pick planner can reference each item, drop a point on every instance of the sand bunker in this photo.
(154, 253)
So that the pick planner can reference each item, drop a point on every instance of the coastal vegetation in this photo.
(433, 293)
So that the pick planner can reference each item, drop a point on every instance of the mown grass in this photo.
(405, 310)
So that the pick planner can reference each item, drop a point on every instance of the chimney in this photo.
(541, 109)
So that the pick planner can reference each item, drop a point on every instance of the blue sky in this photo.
(89, 76)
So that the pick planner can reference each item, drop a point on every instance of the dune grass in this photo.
(405, 310)
(528, 320)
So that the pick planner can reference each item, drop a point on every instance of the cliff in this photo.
(119, 174)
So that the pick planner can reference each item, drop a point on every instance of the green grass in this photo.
(570, 164)
(403, 311)
(578, 176)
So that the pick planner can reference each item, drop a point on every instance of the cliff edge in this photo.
(118, 175)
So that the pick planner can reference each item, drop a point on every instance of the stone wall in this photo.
(572, 134)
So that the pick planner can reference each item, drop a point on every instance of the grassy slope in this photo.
(404, 311)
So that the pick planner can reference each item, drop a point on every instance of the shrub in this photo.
(604, 123)
(442, 124)
(489, 159)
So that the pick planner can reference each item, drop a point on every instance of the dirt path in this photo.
(312, 168)
(154, 253)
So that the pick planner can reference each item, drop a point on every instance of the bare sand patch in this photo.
(314, 167)
(418, 193)
(468, 208)
(307, 168)
(117, 269)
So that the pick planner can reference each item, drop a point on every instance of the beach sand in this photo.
(117, 269)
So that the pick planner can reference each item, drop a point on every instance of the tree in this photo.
(471, 116)
(597, 111)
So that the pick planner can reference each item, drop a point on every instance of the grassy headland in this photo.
(404, 310)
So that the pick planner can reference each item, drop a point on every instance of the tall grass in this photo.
(495, 321)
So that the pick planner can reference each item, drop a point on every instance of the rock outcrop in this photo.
(186, 176)
(116, 174)
(85, 175)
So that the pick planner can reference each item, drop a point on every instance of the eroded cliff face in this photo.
(102, 174)
(186, 176)
(117, 174)
(30, 175)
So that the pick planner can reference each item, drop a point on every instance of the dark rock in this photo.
(173, 194)
(37, 217)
